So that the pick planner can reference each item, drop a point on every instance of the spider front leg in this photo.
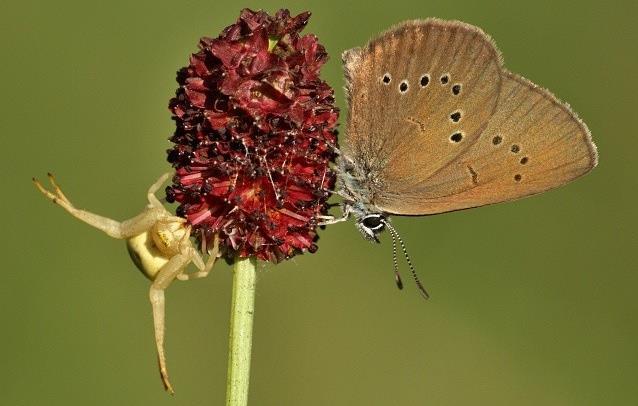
(152, 199)
(120, 230)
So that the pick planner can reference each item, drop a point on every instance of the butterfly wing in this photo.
(405, 90)
(533, 143)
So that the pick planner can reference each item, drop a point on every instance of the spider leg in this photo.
(204, 270)
(120, 230)
(163, 280)
(152, 199)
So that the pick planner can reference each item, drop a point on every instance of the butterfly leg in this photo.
(338, 193)
(332, 220)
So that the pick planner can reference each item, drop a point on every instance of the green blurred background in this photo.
(533, 302)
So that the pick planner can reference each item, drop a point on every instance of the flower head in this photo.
(254, 138)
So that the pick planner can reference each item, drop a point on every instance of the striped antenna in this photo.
(395, 263)
(395, 235)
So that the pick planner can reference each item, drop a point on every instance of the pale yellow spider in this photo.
(159, 244)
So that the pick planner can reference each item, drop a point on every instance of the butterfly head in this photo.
(370, 225)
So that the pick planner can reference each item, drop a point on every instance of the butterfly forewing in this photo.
(419, 95)
(532, 143)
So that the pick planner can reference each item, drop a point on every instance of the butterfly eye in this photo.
(373, 222)
(403, 87)
(386, 78)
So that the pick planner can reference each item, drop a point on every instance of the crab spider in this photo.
(159, 245)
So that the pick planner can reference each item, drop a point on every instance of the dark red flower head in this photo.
(254, 137)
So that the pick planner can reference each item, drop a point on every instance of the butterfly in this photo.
(437, 124)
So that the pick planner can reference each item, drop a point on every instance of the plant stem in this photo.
(241, 331)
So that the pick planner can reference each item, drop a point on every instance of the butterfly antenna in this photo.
(396, 235)
(395, 263)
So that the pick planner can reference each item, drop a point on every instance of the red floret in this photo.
(254, 139)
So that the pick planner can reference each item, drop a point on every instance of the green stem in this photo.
(241, 331)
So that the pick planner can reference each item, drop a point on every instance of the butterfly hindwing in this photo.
(533, 143)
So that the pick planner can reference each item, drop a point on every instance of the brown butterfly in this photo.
(437, 124)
